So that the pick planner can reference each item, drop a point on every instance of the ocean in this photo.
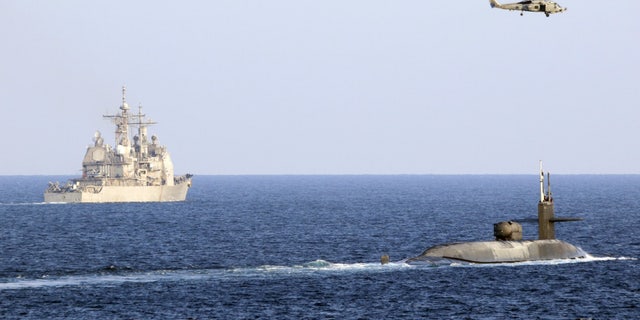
(309, 247)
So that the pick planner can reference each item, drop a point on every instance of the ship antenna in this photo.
(124, 95)
(541, 183)
(549, 187)
(142, 131)
(125, 105)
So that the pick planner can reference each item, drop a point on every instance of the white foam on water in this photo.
(586, 259)
(317, 267)
(43, 282)
(307, 269)
(28, 203)
(320, 266)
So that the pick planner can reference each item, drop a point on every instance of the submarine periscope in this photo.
(508, 246)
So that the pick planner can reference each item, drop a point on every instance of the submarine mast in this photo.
(546, 228)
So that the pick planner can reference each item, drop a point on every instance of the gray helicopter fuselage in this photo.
(546, 7)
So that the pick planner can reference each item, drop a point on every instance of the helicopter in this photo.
(548, 7)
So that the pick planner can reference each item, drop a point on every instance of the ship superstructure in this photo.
(132, 171)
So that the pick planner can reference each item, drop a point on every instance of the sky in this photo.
(325, 87)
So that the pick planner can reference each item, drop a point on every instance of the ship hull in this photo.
(122, 194)
(500, 252)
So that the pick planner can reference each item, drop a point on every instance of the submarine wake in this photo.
(117, 278)
(309, 269)
(320, 266)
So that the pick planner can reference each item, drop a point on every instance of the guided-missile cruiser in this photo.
(141, 171)
(508, 246)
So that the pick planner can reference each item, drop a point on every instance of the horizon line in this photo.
(345, 174)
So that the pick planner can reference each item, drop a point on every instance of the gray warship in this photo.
(141, 171)
(508, 246)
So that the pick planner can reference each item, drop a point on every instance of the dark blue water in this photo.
(274, 247)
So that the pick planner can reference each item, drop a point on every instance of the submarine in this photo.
(508, 246)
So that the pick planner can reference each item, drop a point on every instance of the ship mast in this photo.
(541, 183)
(142, 142)
(545, 196)
(121, 121)
(546, 215)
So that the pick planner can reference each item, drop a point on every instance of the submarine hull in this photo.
(500, 251)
